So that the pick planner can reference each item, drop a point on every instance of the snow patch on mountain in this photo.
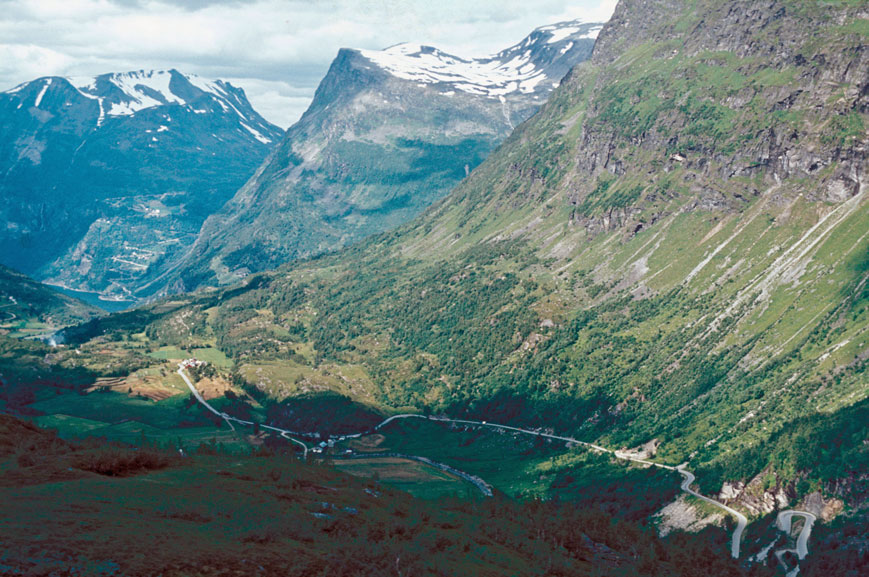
(214, 87)
(256, 134)
(563, 32)
(147, 89)
(144, 90)
(141, 90)
(428, 65)
(42, 93)
(510, 71)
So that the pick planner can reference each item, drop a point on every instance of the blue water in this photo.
(94, 299)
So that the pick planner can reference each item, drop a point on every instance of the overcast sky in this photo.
(277, 50)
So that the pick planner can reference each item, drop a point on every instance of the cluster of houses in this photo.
(329, 444)
(192, 362)
(323, 445)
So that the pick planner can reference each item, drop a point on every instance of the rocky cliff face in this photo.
(760, 69)
(106, 178)
(388, 133)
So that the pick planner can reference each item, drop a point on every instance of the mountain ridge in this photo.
(520, 67)
(103, 180)
(126, 93)
(374, 149)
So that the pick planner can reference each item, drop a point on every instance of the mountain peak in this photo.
(167, 148)
(560, 31)
(127, 93)
(528, 67)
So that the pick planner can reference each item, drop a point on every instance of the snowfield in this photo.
(510, 71)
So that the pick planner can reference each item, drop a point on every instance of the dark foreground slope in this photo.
(673, 249)
(99, 509)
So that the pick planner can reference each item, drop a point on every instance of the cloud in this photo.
(28, 61)
(277, 50)
(275, 99)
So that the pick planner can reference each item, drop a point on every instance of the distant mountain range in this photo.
(105, 178)
(388, 133)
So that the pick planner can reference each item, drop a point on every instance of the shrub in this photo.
(118, 462)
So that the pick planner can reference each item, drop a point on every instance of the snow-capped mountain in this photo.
(124, 94)
(388, 133)
(105, 178)
(526, 67)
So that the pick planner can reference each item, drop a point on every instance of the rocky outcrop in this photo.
(825, 509)
(760, 496)
(683, 516)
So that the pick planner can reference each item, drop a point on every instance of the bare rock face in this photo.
(825, 509)
(761, 495)
(644, 451)
(682, 516)
(822, 144)
(731, 491)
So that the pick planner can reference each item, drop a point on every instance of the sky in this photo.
(276, 50)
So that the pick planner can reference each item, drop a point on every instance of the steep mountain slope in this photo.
(105, 178)
(674, 249)
(28, 307)
(388, 133)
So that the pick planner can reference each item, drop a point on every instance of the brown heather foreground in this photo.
(98, 509)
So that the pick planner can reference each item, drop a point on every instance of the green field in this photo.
(187, 438)
(521, 465)
(170, 354)
(122, 418)
(418, 479)
(214, 357)
(69, 426)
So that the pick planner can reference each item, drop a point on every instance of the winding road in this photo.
(741, 521)
(784, 521)
(230, 419)
(784, 517)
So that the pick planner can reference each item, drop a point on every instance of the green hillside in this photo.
(29, 308)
